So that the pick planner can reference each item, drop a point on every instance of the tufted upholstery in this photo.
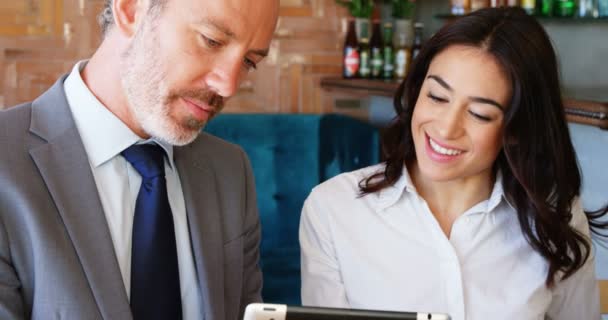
(290, 154)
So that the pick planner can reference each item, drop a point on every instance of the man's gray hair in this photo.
(106, 17)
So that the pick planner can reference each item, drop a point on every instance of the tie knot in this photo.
(147, 159)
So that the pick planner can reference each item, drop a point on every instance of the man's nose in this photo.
(225, 76)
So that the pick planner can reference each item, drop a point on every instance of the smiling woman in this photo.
(476, 207)
(458, 122)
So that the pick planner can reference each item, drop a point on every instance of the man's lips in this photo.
(201, 111)
(200, 105)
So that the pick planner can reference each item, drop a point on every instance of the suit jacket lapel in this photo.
(65, 169)
(204, 221)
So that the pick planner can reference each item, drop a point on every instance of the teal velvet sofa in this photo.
(290, 154)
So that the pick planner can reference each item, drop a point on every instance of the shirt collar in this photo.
(497, 194)
(389, 196)
(104, 135)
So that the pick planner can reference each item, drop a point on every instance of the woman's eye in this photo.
(436, 98)
(480, 117)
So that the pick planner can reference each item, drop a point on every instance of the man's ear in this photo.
(128, 15)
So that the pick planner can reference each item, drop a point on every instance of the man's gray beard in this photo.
(146, 102)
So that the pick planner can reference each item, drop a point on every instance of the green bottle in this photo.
(365, 68)
(376, 46)
(602, 8)
(546, 8)
(388, 51)
(564, 8)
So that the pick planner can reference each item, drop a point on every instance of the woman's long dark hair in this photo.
(540, 173)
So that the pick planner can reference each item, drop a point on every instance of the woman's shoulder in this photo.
(579, 219)
(339, 198)
(346, 182)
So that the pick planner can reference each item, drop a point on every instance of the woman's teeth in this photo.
(439, 149)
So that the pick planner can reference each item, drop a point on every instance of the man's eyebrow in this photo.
(218, 26)
(441, 82)
(229, 33)
(260, 52)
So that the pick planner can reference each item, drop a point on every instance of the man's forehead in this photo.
(253, 19)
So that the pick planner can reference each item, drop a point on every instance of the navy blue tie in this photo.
(155, 292)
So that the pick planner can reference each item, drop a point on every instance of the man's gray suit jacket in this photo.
(57, 259)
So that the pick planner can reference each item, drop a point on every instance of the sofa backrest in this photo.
(591, 145)
(290, 154)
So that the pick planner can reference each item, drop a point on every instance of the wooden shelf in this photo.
(593, 113)
(587, 112)
(365, 86)
(574, 20)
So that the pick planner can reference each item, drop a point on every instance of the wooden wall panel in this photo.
(41, 39)
(43, 42)
(31, 17)
(307, 46)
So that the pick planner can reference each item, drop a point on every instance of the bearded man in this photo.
(113, 204)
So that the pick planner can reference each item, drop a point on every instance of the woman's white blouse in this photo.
(386, 251)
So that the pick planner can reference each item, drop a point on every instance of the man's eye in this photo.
(210, 42)
(250, 64)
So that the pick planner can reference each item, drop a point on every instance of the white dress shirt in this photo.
(104, 137)
(386, 251)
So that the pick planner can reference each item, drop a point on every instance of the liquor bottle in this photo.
(564, 8)
(587, 9)
(602, 8)
(388, 51)
(460, 7)
(546, 8)
(365, 68)
(479, 4)
(375, 45)
(529, 6)
(402, 57)
(350, 60)
(417, 39)
(504, 3)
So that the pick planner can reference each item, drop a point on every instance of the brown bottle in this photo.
(479, 4)
(350, 59)
(417, 39)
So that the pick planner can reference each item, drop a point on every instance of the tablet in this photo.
(267, 311)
